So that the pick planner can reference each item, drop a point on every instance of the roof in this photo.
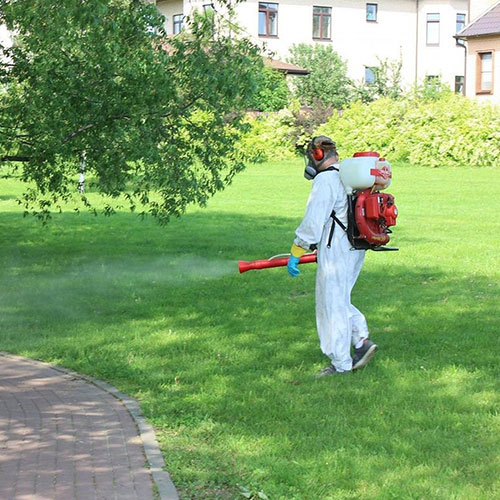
(284, 67)
(486, 24)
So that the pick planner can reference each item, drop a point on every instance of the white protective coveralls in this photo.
(339, 323)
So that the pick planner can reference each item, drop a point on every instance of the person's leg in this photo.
(333, 281)
(364, 348)
(359, 327)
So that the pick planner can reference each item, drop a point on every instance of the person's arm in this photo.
(318, 210)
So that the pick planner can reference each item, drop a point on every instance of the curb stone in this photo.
(161, 478)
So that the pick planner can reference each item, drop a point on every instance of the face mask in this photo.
(310, 172)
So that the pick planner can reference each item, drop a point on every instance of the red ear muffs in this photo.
(318, 154)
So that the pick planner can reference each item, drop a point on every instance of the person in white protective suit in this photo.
(340, 325)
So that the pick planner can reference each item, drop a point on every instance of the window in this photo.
(484, 74)
(432, 29)
(322, 23)
(459, 84)
(209, 11)
(460, 25)
(433, 82)
(268, 19)
(371, 12)
(177, 23)
(369, 75)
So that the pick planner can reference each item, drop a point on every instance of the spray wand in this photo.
(276, 261)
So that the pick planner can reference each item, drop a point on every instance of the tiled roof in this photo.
(285, 67)
(487, 24)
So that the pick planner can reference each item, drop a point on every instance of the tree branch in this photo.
(15, 158)
(89, 126)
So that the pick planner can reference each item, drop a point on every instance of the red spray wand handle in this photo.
(244, 266)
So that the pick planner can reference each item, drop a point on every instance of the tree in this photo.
(100, 80)
(273, 92)
(386, 82)
(327, 80)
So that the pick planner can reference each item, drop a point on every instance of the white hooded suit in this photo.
(339, 323)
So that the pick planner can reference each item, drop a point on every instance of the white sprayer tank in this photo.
(365, 170)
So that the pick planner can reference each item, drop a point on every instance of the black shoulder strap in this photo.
(332, 215)
(335, 220)
(329, 169)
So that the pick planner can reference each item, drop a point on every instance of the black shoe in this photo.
(364, 354)
(329, 370)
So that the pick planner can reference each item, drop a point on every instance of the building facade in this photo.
(482, 38)
(419, 33)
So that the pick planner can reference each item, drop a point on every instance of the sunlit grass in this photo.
(224, 364)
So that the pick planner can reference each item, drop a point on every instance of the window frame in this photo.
(433, 82)
(376, 12)
(430, 22)
(267, 11)
(460, 81)
(480, 72)
(321, 16)
(373, 71)
(177, 23)
(462, 26)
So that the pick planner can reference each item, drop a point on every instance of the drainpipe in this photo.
(416, 46)
(465, 61)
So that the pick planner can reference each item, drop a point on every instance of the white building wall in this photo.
(358, 42)
(446, 60)
(478, 7)
(364, 43)
(398, 34)
(168, 9)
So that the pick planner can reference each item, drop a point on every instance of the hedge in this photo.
(449, 130)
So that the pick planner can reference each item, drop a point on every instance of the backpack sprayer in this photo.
(370, 213)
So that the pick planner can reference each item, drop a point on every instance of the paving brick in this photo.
(62, 437)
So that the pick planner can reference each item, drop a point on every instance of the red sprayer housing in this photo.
(374, 213)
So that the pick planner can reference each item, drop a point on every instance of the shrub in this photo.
(306, 121)
(448, 129)
(365, 126)
(269, 136)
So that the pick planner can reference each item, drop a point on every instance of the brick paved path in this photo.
(64, 438)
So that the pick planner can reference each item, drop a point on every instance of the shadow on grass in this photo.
(224, 363)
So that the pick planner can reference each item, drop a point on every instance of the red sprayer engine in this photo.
(373, 213)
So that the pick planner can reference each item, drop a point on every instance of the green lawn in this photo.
(223, 364)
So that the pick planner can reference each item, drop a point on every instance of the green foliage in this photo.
(280, 136)
(327, 80)
(387, 82)
(432, 88)
(269, 136)
(307, 120)
(100, 79)
(443, 129)
(273, 92)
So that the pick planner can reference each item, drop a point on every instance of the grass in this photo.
(223, 364)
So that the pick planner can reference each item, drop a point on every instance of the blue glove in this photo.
(293, 270)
